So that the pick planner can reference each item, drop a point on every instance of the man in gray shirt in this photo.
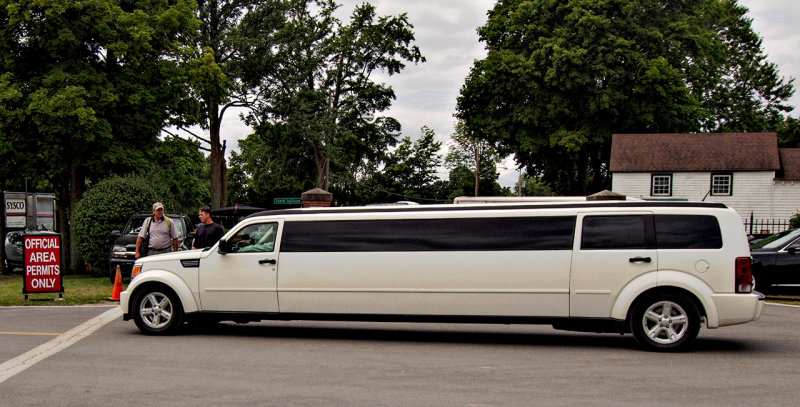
(163, 237)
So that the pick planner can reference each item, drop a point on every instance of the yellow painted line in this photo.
(32, 333)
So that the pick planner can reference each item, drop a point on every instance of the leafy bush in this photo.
(794, 222)
(107, 206)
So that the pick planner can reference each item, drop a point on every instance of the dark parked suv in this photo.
(776, 260)
(123, 252)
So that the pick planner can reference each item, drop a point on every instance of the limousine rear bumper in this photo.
(733, 309)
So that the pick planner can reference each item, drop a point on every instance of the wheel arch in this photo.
(667, 282)
(157, 278)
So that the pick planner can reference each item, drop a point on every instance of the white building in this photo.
(746, 171)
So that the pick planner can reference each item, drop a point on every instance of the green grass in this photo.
(784, 299)
(78, 290)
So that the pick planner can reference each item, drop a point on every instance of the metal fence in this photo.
(765, 226)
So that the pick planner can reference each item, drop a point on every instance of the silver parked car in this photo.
(15, 250)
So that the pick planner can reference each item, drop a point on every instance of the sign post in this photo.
(43, 265)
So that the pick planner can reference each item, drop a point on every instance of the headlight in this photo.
(119, 252)
(136, 269)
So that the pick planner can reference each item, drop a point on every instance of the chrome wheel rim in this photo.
(156, 310)
(665, 322)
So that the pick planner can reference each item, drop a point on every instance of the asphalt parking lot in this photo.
(327, 363)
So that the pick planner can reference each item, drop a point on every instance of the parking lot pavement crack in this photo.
(18, 364)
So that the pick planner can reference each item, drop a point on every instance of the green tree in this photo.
(749, 94)
(411, 168)
(533, 186)
(182, 170)
(461, 182)
(789, 133)
(86, 85)
(106, 207)
(322, 94)
(270, 164)
(561, 77)
(409, 173)
(481, 158)
(233, 56)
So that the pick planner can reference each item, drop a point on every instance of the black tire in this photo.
(665, 322)
(157, 311)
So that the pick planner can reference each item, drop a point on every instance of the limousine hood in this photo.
(180, 255)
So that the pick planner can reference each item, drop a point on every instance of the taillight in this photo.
(744, 275)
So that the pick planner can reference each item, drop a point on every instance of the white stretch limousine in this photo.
(656, 270)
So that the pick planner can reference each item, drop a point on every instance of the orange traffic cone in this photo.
(117, 286)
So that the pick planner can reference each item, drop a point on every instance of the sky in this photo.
(446, 34)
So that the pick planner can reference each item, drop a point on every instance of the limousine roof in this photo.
(489, 206)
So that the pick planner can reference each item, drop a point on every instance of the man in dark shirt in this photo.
(208, 232)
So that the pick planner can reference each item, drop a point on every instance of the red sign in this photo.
(43, 264)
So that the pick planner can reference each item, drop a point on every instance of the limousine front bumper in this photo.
(734, 309)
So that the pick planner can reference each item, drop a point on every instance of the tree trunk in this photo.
(62, 212)
(70, 192)
(582, 181)
(77, 185)
(323, 171)
(218, 170)
(477, 168)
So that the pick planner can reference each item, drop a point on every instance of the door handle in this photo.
(267, 261)
(639, 260)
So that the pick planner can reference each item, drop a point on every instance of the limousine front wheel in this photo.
(157, 311)
(665, 322)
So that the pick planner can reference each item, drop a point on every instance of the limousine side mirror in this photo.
(792, 250)
(224, 247)
(115, 234)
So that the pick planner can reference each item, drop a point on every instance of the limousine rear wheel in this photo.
(665, 322)
(157, 311)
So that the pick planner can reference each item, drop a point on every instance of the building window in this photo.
(661, 185)
(722, 184)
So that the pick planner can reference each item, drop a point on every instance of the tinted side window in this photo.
(687, 232)
(613, 232)
(482, 234)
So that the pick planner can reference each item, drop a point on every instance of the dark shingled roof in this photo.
(790, 164)
(694, 152)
